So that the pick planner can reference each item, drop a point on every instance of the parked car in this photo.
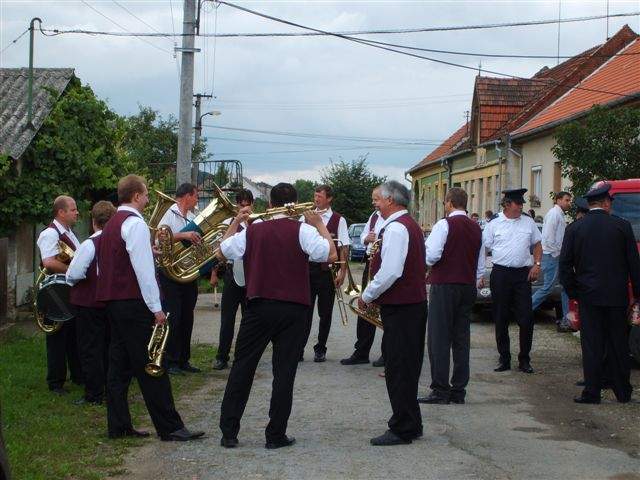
(357, 250)
(626, 204)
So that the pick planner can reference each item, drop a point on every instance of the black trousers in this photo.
(403, 339)
(448, 335)
(62, 351)
(322, 288)
(92, 329)
(131, 326)
(233, 296)
(264, 321)
(605, 349)
(511, 297)
(365, 331)
(179, 299)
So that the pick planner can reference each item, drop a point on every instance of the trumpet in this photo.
(156, 348)
(288, 210)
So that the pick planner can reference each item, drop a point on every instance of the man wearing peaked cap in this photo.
(510, 237)
(600, 284)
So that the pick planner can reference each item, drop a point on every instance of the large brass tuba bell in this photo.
(164, 203)
(182, 261)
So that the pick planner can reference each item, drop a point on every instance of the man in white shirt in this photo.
(276, 256)
(510, 238)
(62, 346)
(553, 229)
(320, 276)
(365, 331)
(233, 292)
(398, 287)
(179, 299)
(127, 284)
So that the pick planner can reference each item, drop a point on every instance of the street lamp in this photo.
(198, 133)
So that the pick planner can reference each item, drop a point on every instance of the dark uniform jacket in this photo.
(599, 255)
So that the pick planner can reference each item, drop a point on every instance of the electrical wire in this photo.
(215, 46)
(346, 107)
(271, 142)
(14, 41)
(546, 81)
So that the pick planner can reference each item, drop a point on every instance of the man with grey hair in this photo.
(398, 288)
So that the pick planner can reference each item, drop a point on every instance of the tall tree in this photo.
(352, 183)
(305, 190)
(605, 145)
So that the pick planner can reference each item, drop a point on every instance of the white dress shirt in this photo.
(395, 245)
(311, 242)
(367, 228)
(510, 240)
(437, 239)
(48, 240)
(343, 230)
(553, 231)
(237, 265)
(137, 239)
(175, 220)
(81, 260)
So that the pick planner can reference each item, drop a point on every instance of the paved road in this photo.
(513, 426)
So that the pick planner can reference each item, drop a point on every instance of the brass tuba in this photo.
(65, 255)
(156, 348)
(181, 262)
(372, 313)
(164, 204)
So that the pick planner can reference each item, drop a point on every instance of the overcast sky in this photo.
(315, 85)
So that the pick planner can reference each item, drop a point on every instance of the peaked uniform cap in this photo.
(599, 191)
(515, 195)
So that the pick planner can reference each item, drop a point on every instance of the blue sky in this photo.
(314, 85)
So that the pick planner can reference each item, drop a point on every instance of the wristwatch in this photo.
(537, 264)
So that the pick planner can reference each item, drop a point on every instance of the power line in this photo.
(14, 41)
(136, 16)
(405, 141)
(139, 37)
(337, 149)
(271, 142)
(346, 107)
(547, 81)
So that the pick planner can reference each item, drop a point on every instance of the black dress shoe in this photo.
(59, 391)
(583, 399)
(525, 367)
(220, 364)
(285, 442)
(502, 367)
(228, 442)
(130, 432)
(174, 370)
(434, 398)
(190, 368)
(353, 360)
(320, 357)
(182, 435)
(379, 362)
(388, 438)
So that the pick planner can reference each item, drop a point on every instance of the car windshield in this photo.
(357, 230)
(627, 206)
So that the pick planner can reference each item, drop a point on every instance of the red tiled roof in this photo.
(445, 148)
(620, 74)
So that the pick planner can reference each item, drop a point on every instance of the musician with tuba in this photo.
(62, 347)
(276, 255)
(179, 299)
(398, 287)
(128, 286)
(92, 327)
(366, 331)
(322, 281)
(233, 292)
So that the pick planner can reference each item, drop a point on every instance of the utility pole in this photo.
(198, 134)
(30, 80)
(185, 116)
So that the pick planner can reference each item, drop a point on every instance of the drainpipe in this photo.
(496, 144)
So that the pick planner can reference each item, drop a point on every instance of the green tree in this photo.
(305, 189)
(605, 145)
(352, 183)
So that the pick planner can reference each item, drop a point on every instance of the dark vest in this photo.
(374, 220)
(83, 293)
(275, 266)
(410, 287)
(459, 260)
(117, 279)
(332, 225)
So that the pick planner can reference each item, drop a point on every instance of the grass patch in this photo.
(47, 436)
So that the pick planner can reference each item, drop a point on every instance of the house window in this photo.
(536, 186)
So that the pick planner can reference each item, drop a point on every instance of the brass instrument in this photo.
(181, 262)
(164, 204)
(288, 210)
(156, 347)
(372, 312)
(351, 289)
(65, 255)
